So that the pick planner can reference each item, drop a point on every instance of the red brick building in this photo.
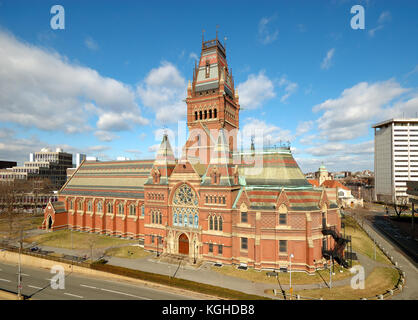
(215, 203)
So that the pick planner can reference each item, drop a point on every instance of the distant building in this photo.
(322, 174)
(7, 164)
(335, 190)
(395, 157)
(79, 157)
(45, 164)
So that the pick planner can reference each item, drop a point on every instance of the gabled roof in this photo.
(314, 182)
(58, 206)
(221, 161)
(165, 161)
(334, 184)
(118, 179)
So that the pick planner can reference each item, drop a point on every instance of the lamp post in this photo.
(290, 270)
(194, 251)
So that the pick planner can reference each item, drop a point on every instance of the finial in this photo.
(203, 33)
(225, 38)
(217, 27)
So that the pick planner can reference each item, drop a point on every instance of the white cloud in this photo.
(105, 135)
(373, 31)
(304, 127)
(266, 35)
(193, 56)
(255, 90)
(351, 115)
(384, 17)
(289, 88)
(112, 121)
(327, 62)
(164, 91)
(263, 133)
(91, 44)
(42, 89)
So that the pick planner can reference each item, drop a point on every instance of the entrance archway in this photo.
(183, 244)
(49, 222)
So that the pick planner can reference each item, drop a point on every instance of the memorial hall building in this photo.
(214, 203)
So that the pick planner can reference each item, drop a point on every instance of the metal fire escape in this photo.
(338, 253)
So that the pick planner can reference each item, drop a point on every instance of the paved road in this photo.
(410, 291)
(36, 283)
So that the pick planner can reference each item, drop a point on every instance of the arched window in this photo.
(210, 113)
(206, 114)
(220, 224)
(282, 214)
(210, 223)
(132, 209)
(200, 115)
(89, 206)
(196, 220)
(216, 223)
(175, 219)
(214, 113)
(143, 210)
(71, 204)
(161, 218)
(121, 208)
(185, 204)
(195, 115)
(152, 217)
(109, 207)
(100, 206)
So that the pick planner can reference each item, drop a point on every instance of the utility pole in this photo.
(290, 280)
(330, 272)
(375, 250)
(19, 273)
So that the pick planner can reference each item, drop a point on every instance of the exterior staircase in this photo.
(337, 253)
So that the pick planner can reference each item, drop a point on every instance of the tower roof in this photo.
(164, 161)
(212, 72)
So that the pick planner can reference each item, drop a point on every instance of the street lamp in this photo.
(290, 269)
(194, 251)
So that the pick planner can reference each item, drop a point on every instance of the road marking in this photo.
(84, 285)
(73, 295)
(34, 287)
(23, 274)
(126, 294)
(5, 280)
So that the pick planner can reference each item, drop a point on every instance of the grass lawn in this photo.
(378, 282)
(297, 277)
(131, 252)
(361, 242)
(81, 240)
(28, 222)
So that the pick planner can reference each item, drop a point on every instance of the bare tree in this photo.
(400, 206)
(92, 239)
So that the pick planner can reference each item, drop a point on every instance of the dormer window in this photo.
(207, 69)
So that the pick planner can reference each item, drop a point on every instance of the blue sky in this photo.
(109, 82)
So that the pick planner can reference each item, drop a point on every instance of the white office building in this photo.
(395, 157)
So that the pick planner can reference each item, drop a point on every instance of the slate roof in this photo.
(118, 179)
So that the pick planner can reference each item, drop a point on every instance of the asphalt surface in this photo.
(36, 283)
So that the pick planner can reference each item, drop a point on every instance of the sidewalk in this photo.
(204, 274)
(410, 291)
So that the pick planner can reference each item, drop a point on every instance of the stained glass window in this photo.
(185, 204)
